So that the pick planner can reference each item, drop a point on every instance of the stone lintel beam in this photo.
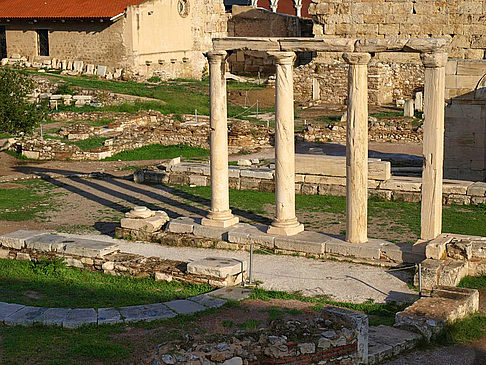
(316, 44)
(373, 45)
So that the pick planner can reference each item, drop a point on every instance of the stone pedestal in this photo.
(220, 214)
(285, 223)
(357, 148)
(433, 145)
(409, 108)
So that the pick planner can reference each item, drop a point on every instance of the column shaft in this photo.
(433, 145)
(220, 214)
(357, 148)
(285, 222)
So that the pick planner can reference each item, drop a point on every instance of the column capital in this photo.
(434, 60)
(283, 58)
(216, 56)
(357, 58)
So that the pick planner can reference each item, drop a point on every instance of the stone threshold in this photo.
(308, 243)
(24, 315)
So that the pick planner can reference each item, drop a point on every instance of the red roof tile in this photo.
(63, 8)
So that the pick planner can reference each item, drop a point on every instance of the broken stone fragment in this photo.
(151, 224)
(139, 212)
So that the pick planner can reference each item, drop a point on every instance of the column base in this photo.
(285, 230)
(223, 222)
(357, 240)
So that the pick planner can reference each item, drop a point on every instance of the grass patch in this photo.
(28, 202)
(473, 282)
(159, 152)
(5, 135)
(464, 330)
(50, 283)
(90, 144)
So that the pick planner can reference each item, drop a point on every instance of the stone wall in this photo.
(247, 21)
(92, 42)
(262, 179)
(461, 20)
(465, 121)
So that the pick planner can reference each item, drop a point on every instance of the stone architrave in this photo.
(433, 145)
(220, 214)
(357, 148)
(285, 222)
(408, 108)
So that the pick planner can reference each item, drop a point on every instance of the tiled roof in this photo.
(63, 8)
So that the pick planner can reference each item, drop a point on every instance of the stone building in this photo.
(392, 75)
(166, 37)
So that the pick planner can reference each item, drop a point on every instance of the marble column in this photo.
(433, 145)
(357, 148)
(285, 222)
(220, 214)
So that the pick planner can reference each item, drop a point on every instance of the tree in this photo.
(17, 114)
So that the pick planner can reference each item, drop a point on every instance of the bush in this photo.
(17, 114)
(65, 89)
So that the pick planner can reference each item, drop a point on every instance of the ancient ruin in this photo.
(357, 54)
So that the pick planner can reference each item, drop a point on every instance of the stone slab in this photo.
(53, 316)
(258, 173)
(148, 312)
(477, 189)
(109, 315)
(343, 248)
(79, 317)
(398, 339)
(400, 252)
(233, 294)
(247, 234)
(307, 241)
(25, 316)
(185, 306)
(46, 242)
(17, 239)
(181, 225)
(220, 267)
(88, 248)
(217, 233)
(378, 352)
(411, 184)
(7, 309)
(150, 224)
(208, 300)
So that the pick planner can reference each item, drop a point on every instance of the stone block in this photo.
(409, 184)
(451, 273)
(17, 239)
(109, 315)
(88, 248)
(25, 316)
(306, 242)
(8, 309)
(151, 224)
(161, 276)
(147, 313)
(218, 233)
(208, 301)
(247, 183)
(308, 189)
(430, 273)
(436, 249)
(400, 252)
(198, 180)
(78, 66)
(456, 186)
(233, 172)
(343, 248)
(477, 189)
(101, 71)
(407, 196)
(181, 225)
(46, 243)
(220, 267)
(185, 306)
(333, 190)
(233, 294)
(457, 199)
(257, 173)
(247, 234)
(53, 316)
(79, 317)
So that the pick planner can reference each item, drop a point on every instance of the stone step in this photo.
(385, 342)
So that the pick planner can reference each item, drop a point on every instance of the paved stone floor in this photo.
(341, 281)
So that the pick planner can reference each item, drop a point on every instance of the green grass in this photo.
(90, 144)
(159, 152)
(30, 201)
(5, 135)
(464, 330)
(379, 313)
(52, 284)
(473, 282)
